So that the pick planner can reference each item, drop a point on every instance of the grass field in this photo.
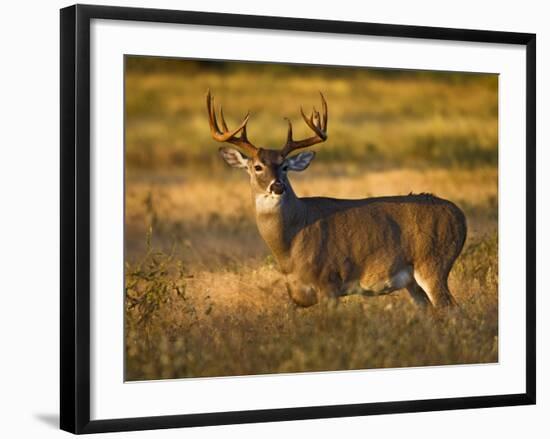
(204, 296)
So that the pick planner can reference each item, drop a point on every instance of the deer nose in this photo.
(277, 187)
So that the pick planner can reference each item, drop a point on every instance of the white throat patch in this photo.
(266, 203)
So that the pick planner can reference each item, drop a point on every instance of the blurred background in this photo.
(204, 295)
(380, 118)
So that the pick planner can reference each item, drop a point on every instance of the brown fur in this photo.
(325, 244)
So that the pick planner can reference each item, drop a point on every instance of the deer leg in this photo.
(302, 295)
(446, 296)
(305, 295)
(328, 296)
(418, 295)
(330, 289)
(378, 285)
(435, 287)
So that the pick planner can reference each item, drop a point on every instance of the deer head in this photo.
(267, 167)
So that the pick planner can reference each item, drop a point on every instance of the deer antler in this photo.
(225, 135)
(317, 122)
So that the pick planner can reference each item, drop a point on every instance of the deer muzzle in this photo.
(277, 187)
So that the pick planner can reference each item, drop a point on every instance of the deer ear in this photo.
(233, 157)
(301, 161)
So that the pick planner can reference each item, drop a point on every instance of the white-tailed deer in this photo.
(327, 247)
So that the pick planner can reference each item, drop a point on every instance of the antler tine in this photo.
(224, 125)
(318, 124)
(225, 135)
(289, 133)
(211, 114)
(244, 137)
(325, 112)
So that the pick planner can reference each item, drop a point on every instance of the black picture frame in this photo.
(75, 217)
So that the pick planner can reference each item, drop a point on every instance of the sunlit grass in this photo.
(204, 296)
(239, 321)
(214, 303)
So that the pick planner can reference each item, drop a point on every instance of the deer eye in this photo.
(258, 168)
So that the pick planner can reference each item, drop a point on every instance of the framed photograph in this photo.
(352, 234)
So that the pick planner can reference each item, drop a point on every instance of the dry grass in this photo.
(204, 296)
(218, 306)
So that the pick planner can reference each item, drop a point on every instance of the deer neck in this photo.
(278, 220)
